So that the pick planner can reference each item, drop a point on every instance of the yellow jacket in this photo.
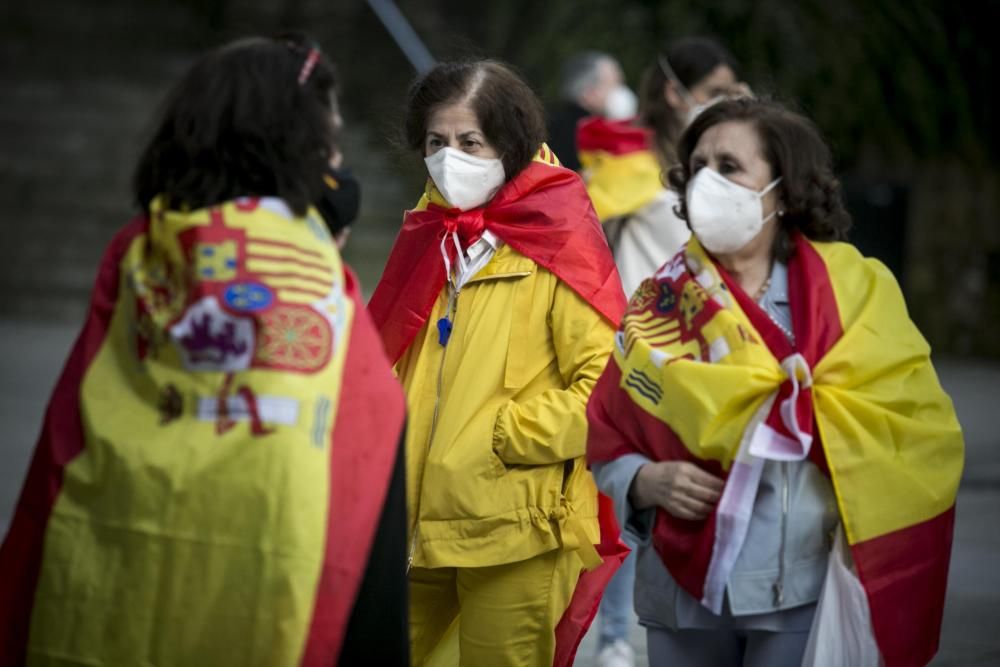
(497, 419)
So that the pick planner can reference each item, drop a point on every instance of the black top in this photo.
(562, 132)
(378, 631)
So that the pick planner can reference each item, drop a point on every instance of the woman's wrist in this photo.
(637, 490)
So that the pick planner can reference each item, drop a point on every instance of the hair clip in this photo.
(309, 65)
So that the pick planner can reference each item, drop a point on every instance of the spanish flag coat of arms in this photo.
(214, 457)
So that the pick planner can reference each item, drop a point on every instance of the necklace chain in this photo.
(788, 334)
(762, 290)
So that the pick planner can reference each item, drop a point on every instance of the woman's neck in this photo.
(750, 266)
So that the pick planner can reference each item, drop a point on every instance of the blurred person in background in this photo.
(623, 161)
(341, 194)
(498, 306)
(219, 477)
(766, 386)
(339, 203)
(623, 165)
(591, 83)
(687, 77)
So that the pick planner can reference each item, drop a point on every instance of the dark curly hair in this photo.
(240, 124)
(508, 111)
(792, 145)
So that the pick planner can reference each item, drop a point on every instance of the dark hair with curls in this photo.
(508, 111)
(240, 124)
(808, 191)
(691, 59)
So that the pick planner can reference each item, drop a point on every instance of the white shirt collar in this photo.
(488, 241)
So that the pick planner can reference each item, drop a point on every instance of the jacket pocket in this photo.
(500, 468)
(655, 591)
(496, 463)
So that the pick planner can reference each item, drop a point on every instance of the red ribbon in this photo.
(468, 224)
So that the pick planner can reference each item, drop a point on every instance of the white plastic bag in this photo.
(841, 633)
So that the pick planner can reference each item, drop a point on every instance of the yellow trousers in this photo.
(499, 615)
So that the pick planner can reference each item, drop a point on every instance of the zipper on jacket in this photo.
(450, 313)
(779, 584)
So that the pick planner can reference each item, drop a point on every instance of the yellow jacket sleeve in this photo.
(552, 426)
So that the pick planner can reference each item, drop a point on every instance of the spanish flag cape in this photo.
(622, 172)
(700, 373)
(544, 214)
(214, 458)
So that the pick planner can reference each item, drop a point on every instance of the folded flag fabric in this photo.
(700, 373)
(619, 166)
(214, 458)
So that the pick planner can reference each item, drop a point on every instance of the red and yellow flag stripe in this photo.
(619, 166)
(196, 496)
(882, 427)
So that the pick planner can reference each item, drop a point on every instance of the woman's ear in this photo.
(673, 97)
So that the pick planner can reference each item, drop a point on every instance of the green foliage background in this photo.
(902, 90)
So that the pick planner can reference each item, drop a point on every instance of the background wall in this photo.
(903, 91)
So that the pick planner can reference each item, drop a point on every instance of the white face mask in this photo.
(696, 109)
(466, 181)
(621, 103)
(724, 216)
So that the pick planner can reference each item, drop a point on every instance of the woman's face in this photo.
(720, 82)
(735, 151)
(456, 126)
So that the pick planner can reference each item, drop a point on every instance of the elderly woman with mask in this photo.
(498, 306)
(766, 386)
(624, 162)
(624, 165)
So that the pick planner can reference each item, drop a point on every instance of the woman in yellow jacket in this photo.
(498, 306)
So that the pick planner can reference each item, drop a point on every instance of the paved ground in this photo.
(33, 355)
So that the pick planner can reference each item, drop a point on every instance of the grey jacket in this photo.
(779, 572)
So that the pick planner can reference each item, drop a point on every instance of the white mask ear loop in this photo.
(444, 256)
(682, 90)
(763, 192)
(462, 264)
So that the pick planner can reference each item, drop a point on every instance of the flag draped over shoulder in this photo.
(621, 170)
(211, 470)
(700, 373)
(543, 213)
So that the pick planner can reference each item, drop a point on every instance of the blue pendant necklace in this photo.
(446, 323)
